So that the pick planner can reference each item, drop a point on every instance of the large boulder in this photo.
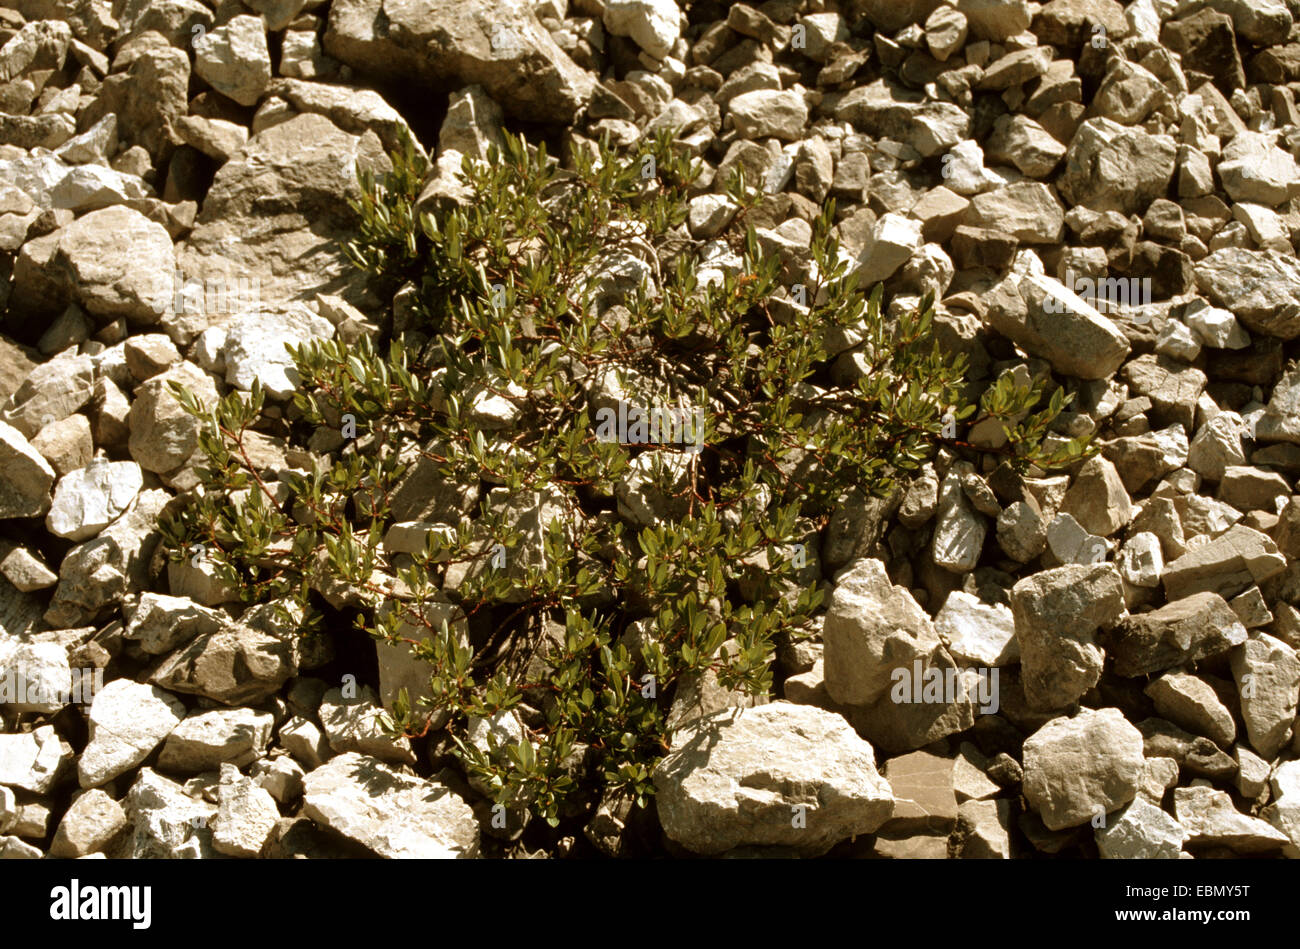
(779, 775)
(444, 44)
(275, 216)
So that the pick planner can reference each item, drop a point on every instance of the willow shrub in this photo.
(570, 568)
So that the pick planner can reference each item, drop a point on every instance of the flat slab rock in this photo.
(393, 814)
(778, 775)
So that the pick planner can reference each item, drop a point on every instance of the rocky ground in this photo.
(1104, 194)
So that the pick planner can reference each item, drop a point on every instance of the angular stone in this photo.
(234, 59)
(1267, 674)
(205, 740)
(1056, 613)
(769, 113)
(1186, 630)
(1230, 563)
(128, 721)
(779, 775)
(246, 815)
(166, 823)
(51, 392)
(89, 499)
(1097, 499)
(984, 830)
(500, 46)
(1254, 168)
(163, 435)
(977, 633)
(1190, 702)
(89, 826)
(1260, 287)
(353, 725)
(891, 111)
(1141, 831)
(1081, 767)
(392, 814)
(25, 477)
(872, 628)
(1111, 167)
(925, 802)
(235, 666)
(256, 343)
(118, 263)
(1048, 320)
(1210, 818)
(271, 222)
(33, 761)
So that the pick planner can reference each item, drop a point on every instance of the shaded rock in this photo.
(235, 665)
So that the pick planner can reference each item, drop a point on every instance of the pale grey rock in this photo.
(128, 720)
(205, 740)
(392, 814)
(1141, 831)
(234, 59)
(872, 628)
(1111, 167)
(33, 761)
(1255, 169)
(1267, 674)
(50, 393)
(1185, 630)
(161, 623)
(255, 348)
(166, 823)
(769, 113)
(473, 123)
(117, 262)
(38, 675)
(1261, 288)
(498, 45)
(779, 775)
(353, 725)
(89, 499)
(1239, 558)
(163, 435)
(1046, 319)
(270, 224)
(246, 815)
(959, 529)
(977, 633)
(1057, 613)
(1141, 560)
(1081, 767)
(1210, 818)
(1192, 704)
(25, 477)
(235, 666)
(886, 110)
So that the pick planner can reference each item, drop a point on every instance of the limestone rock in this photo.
(779, 775)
